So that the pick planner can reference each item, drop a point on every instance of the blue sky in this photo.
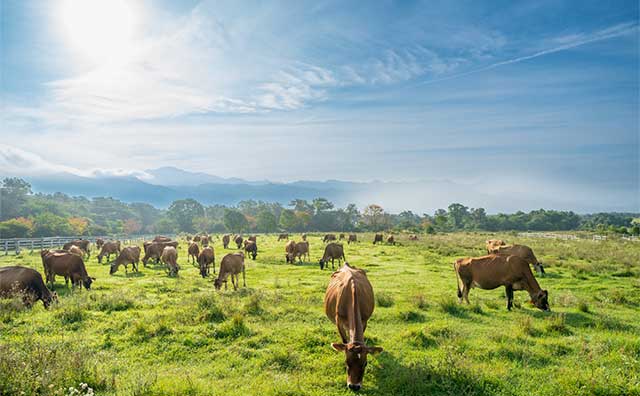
(535, 99)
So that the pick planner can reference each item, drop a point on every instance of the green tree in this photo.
(301, 205)
(321, 205)
(457, 213)
(289, 220)
(183, 212)
(14, 228)
(235, 221)
(266, 221)
(166, 225)
(375, 218)
(49, 224)
(13, 195)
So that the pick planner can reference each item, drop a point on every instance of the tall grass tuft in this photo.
(384, 299)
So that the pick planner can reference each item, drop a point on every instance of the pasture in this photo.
(148, 334)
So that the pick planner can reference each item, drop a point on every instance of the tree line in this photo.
(27, 214)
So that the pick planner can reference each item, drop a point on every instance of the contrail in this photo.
(615, 31)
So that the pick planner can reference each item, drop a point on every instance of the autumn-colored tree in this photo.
(131, 226)
(375, 217)
(78, 225)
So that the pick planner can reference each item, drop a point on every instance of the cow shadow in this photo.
(422, 378)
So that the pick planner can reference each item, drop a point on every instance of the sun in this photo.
(101, 30)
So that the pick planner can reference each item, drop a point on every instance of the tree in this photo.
(49, 224)
(78, 225)
(166, 225)
(16, 228)
(266, 221)
(322, 204)
(131, 226)
(289, 220)
(183, 212)
(374, 217)
(301, 205)
(13, 195)
(235, 221)
(457, 214)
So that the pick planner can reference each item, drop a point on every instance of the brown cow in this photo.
(238, 240)
(99, 243)
(290, 249)
(300, 250)
(231, 264)
(65, 264)
(83, 244)
(205, 239)
(207, 259)
(341, 236)
(391, 240)
(522, 251)
(128, 255)
(304, 237)
(225, 240)
(160, 238)
(413, 237)
(352, 238)
(170, 259)
(76, 250)
(332, 251)
(349, 303)
(283, 236)
(329, 237)
(377, 238)
(493, 244)
(154, 250)
(109, 248)
(253, 238)
(26, 283)
(251, 248)
(196, 238)
(495, 270)
(194, 251)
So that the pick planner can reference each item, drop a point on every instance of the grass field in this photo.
(148, 334)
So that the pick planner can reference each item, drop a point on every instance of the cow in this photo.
(225, 240)
(493, 244)
(206, 260)
(76, 250)
(231, 264)
(341, 236)
(26, 283)
(413, 237)
(238, 240)
(495, 270)
(332, 251)
(251, 248)
(65, 264)
(300, 250)
(523, 251)
(353, 238)
(83, 244)
(391, 240)
(194, 251)
(304, 237)
(377, 238)
(290, 249)
(170, 259)
(329, 237)
(196, 238)
(349, 303)
(283, 236)
(109, 248)
(128, 255)
(154, 250)
(160, 238)
(99, 243)
(205, 239)
(253, 238)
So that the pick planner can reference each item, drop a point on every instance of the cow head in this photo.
(114, 268)
(322, 263)
(86, 282)
(541, 300)
(51, 298)
(217, 283)
(356, 361)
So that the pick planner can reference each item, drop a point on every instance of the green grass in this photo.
(148, 334)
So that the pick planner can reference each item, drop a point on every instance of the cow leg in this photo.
(244, 279)
(509, 292)
(465, 291)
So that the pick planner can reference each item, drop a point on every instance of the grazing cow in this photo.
(341, 236)
(26, 283)
(290, 249)
(300, 250)
(83, 244)
(283, 236)
(76, 250)
(160, 238)
(153, 250)
(493, 244)
(128, 255)
(170, 259)
(99, 243)
(522, 251)
(65, 264)
(109, 248)
(391, 240)
(413, 237)
(251, 248)
(238, 240)
(495, 270)
(329, 237)
(205, 239)
(231, 264)
(196, 238)
(194, 251)
(253, 238)
(207, 259)
(352, 238)
(377, 238)
(304, 237)
(332, 251)
(349, 303)
(225, 240)
(189, 238)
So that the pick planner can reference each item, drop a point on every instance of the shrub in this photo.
(384, 299)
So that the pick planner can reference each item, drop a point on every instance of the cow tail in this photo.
(457, 280)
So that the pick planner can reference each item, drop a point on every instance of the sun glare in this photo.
(99, 29)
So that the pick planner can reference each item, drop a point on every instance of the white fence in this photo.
(16, 245)
(549, 235)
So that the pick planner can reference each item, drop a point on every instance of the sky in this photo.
(537, 99)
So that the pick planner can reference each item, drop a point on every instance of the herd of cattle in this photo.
(349, 299)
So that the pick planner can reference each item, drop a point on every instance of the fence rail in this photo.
(16, 245)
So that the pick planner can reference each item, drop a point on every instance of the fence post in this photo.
(6, 248)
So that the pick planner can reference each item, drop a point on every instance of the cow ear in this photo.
(92, 278)
(374, 350)
(338, 347)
